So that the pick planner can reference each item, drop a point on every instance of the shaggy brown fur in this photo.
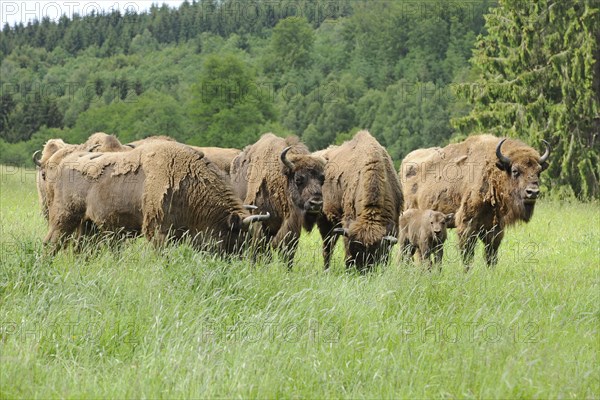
(423, 230)
(362, 195)
(222, 157)
(56, 149)
(292, 196)
(467, 179)
(148, 139)
(161, 188)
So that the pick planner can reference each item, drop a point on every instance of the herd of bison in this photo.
(261, 197)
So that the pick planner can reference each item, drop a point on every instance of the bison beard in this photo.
(281, 177)
(362, 201)
(494, 184)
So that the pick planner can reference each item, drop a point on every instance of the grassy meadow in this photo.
(131, 322)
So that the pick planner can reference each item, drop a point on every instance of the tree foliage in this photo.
(292, 42)
(229, 106)
(539, 78)
(223, 72)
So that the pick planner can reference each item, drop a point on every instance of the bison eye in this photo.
(515, 172)
(299, 179)
(322, 179)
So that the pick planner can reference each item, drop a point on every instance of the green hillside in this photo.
(416, 74)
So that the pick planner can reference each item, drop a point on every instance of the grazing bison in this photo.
(281, 177)
(56, 149)
(487, 182)
(362, 201)
(423, 230)
(161, 188)
(222, 157)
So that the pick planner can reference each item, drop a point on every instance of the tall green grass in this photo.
(131, 322)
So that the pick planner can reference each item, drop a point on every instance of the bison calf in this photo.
(424, 230)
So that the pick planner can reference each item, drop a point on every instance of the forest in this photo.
(221, 73)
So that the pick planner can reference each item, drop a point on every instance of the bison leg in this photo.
(467, 241)
(407, 251)
(426, 255)
(329, 241)
(62, 222)
(286, 240)
(492, 239)
(438, 254)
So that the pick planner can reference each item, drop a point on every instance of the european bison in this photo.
(362, 201)
(423, 230)
(489, 183)
(56, 149)
(222, 157)
(161, 188)
(281, 177)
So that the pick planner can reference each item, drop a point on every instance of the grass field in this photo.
(133, 323)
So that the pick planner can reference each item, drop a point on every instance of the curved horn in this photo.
(249, 207)
(255, 218)
(130, 145)
(546, 154)
(36, 161)
(93, 147)
(503, 159)
(341, 231)
(390, 238)
(284, 159)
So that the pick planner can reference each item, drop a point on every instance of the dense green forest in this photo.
(416, 74)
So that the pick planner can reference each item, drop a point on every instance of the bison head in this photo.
(305, 176)
(367, 244)
(437, 223)
(523, 168)
(239, 230)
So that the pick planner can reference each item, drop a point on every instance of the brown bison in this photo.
(164, 189)
(362, 201)
(222, 157)
(423, 230)
(487, 182)
(281, 177)
(56, 149)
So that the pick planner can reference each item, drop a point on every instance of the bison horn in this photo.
(341, 231)
(503, 159)
(130, 145)
(249, 207)
(285, 160)
(36, 161)
(546, 154)
(390, 238)
(255, 218)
